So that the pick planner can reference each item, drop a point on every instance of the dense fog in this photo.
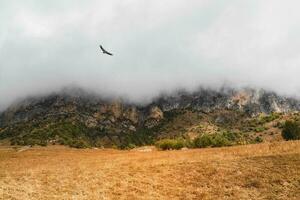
(158, 46)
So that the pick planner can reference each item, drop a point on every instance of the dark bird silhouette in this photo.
(104, 51)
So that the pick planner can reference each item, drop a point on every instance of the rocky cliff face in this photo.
(113, 121)
(250, 101)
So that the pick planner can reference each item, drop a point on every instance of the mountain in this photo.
(79, 118)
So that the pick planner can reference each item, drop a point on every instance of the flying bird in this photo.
(104, 51)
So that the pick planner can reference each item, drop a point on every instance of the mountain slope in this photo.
(77, 118)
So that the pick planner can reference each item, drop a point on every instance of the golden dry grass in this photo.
(263, 171)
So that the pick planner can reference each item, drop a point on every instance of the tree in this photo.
(291, 131)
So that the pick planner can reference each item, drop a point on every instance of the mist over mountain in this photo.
(159, 47)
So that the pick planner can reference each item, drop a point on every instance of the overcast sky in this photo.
(158, 45)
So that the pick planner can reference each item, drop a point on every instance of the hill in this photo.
(79, 118)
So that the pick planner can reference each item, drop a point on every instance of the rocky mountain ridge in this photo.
(114, 121)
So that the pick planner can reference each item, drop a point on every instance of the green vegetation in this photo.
(258, 124)
(64, 132)
(217, 140)
(217, 129)
(203, 141)
(258, 139)
(260, 129)
(220, 139)
(139, 138)
(79, 144)
(75, 134)
(291, 130)
(269, 118)
(167, 144)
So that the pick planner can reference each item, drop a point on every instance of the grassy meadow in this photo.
(258, 171)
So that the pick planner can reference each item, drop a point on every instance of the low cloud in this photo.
(158, 46)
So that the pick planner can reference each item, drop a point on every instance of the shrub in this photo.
(220, 140)
(167, 144)
(203, 141)
(79, 144)
(131, 146)
(291, 131)
(139, 138)
(260, 129)
(179, 144)
(215, 140)
(126, 146)
(231, 136)
(269, 118)
(258, 140)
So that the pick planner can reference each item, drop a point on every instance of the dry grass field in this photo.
(262, 171)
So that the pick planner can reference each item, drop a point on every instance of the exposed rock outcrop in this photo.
(154, 117)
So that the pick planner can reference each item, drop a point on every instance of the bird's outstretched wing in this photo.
(102, 48)
(104, 51)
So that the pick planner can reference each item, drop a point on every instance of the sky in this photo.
(158, 46)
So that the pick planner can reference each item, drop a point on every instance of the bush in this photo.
(131, 146)
(203, 141)
(215, 140)
(80, 144)
(126, 146)
(258, 140)
(220, 141)
(167, 144)
(291, 131)
(231, 136)
(269, 118)
(260, 129)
